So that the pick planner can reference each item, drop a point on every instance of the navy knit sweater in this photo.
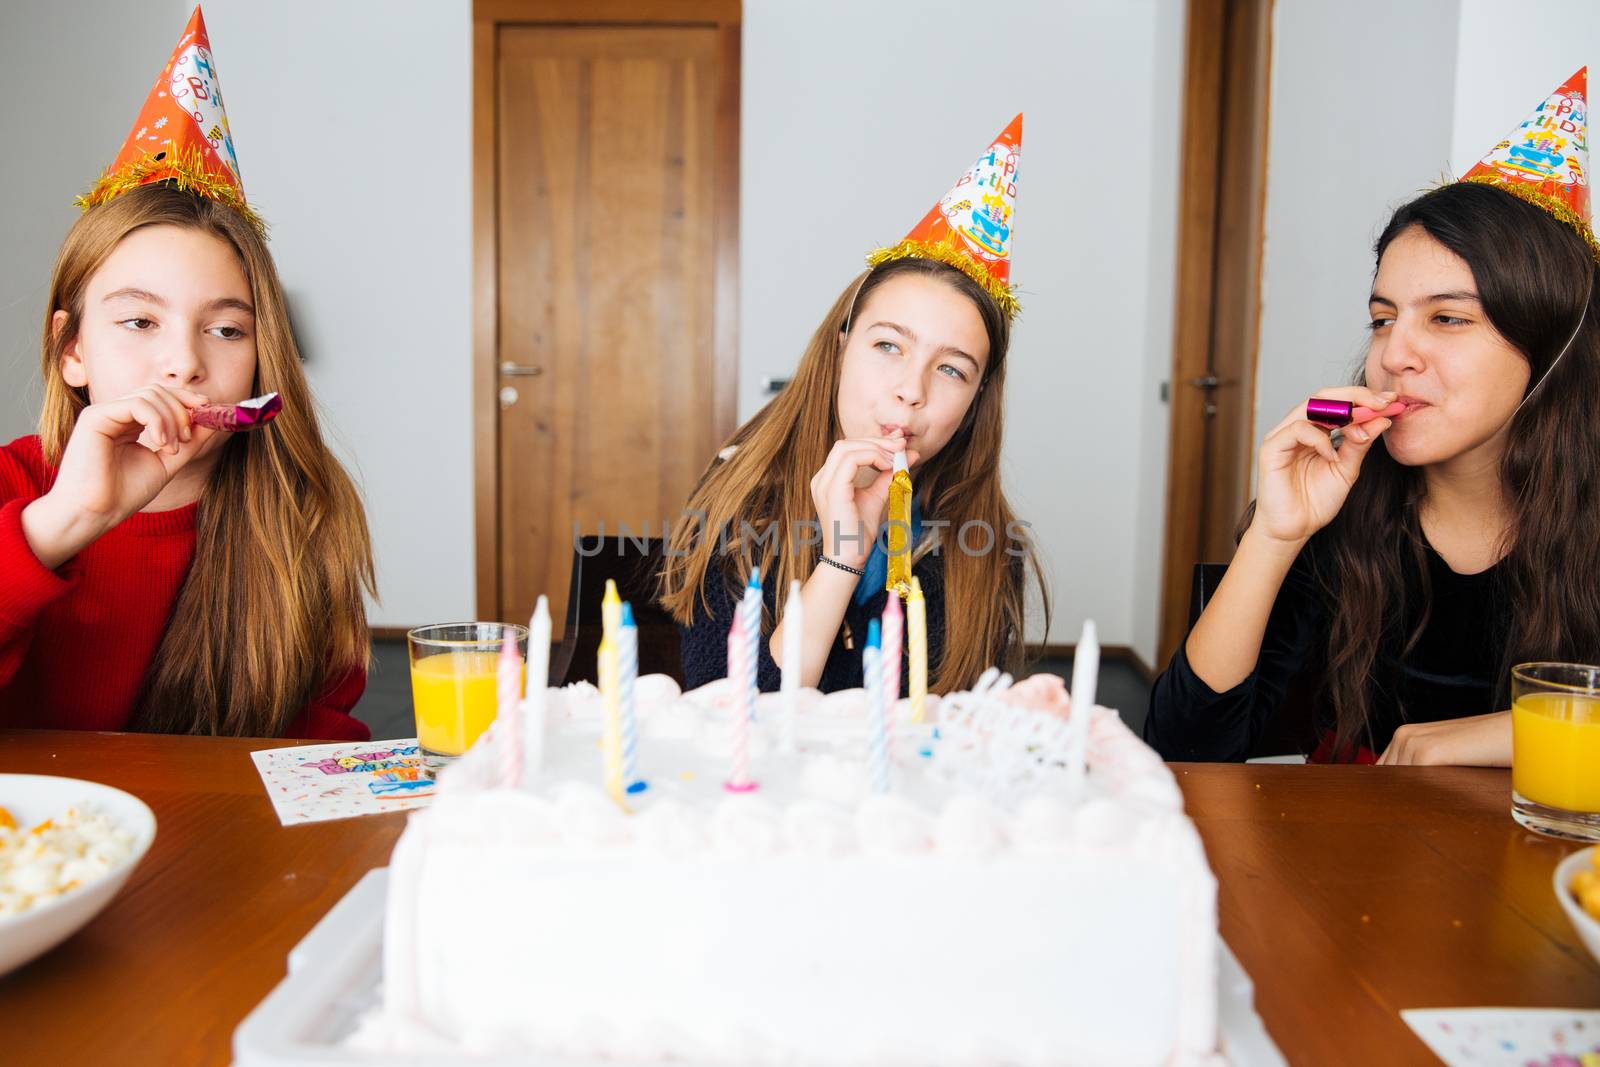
(705, 641)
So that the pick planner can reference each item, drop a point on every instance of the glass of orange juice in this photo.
(1555, 749)
(453, 684)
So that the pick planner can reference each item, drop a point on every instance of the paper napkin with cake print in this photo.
(315, 783)
(1509, 1037)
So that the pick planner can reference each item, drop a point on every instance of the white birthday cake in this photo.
(995, 906)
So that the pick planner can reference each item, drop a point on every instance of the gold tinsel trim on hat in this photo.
(1563, 211)
(185, 169)
(948, 253)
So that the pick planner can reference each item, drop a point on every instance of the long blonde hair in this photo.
(272, 608)
(766, 483)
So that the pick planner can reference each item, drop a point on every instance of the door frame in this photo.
(1217, 298)
(488, 16)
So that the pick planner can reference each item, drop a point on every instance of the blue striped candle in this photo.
(628, 654)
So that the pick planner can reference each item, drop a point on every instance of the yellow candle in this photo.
(611, 611)
(611, 703)
(917, 636)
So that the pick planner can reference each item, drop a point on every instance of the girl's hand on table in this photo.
(1475, 741)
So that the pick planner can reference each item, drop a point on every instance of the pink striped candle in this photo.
(739, 780)
(750, 620)
(893, 629)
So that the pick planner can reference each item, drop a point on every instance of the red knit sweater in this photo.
(75, 642)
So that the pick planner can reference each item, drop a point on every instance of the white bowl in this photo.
(1587, 927)
(32, 798)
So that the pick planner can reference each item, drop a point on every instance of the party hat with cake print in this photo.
(970, 228)
(1545, 161)
(181, 134)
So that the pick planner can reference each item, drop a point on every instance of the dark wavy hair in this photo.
(1537, 284)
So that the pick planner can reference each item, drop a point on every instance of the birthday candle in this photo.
(793, 628)
(628, 657)
(1085, 673)
(750, 616)
(508, 704)
(893, 629)
(739, 780)
(749, 621)
(877, 711)
(899, 577)
(610, 610)
(611, 702)
(917, 628)
(537, 684)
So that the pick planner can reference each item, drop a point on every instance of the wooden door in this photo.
(1221, 205)
(612, 368)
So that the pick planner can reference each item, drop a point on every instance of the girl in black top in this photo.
(1400, 571)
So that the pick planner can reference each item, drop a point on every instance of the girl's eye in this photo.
(954, 372)
(136, 324)
(887, 346)
(228, 333)
(1378, 324)
(1451, 320)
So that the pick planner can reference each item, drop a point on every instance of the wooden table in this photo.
(1348, 893)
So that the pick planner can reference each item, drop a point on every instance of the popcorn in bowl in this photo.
(1586, 887)
(56, 856)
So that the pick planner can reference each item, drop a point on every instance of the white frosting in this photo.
(981, 912)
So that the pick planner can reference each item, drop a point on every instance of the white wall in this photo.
(1501, 76)
(56, 58)
(1360, 121)
(849, 137)
(1161, 257)
(352, 122)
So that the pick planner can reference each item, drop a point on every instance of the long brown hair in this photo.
(272, 606)
(1537, 282)
(766, 483)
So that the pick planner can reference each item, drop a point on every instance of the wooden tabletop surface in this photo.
(1348, 894)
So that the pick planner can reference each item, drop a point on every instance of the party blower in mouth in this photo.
(245, 415)
(1337, 413)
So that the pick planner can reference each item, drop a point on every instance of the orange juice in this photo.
(455, 697)
(1555, 750)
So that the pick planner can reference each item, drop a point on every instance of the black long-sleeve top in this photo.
(705, 641)
(1452, 671)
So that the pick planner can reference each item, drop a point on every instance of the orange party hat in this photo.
(1545, 161)
(181, 134)
(970, 228)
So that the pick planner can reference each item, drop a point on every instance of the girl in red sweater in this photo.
(160, 575)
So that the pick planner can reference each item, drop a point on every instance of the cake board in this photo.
(333, 981)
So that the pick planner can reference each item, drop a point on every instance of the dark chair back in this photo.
(1294, 727)
(1206, 578)
(633, 563)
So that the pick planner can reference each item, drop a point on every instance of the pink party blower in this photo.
(1337, 413)
(245, 415)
